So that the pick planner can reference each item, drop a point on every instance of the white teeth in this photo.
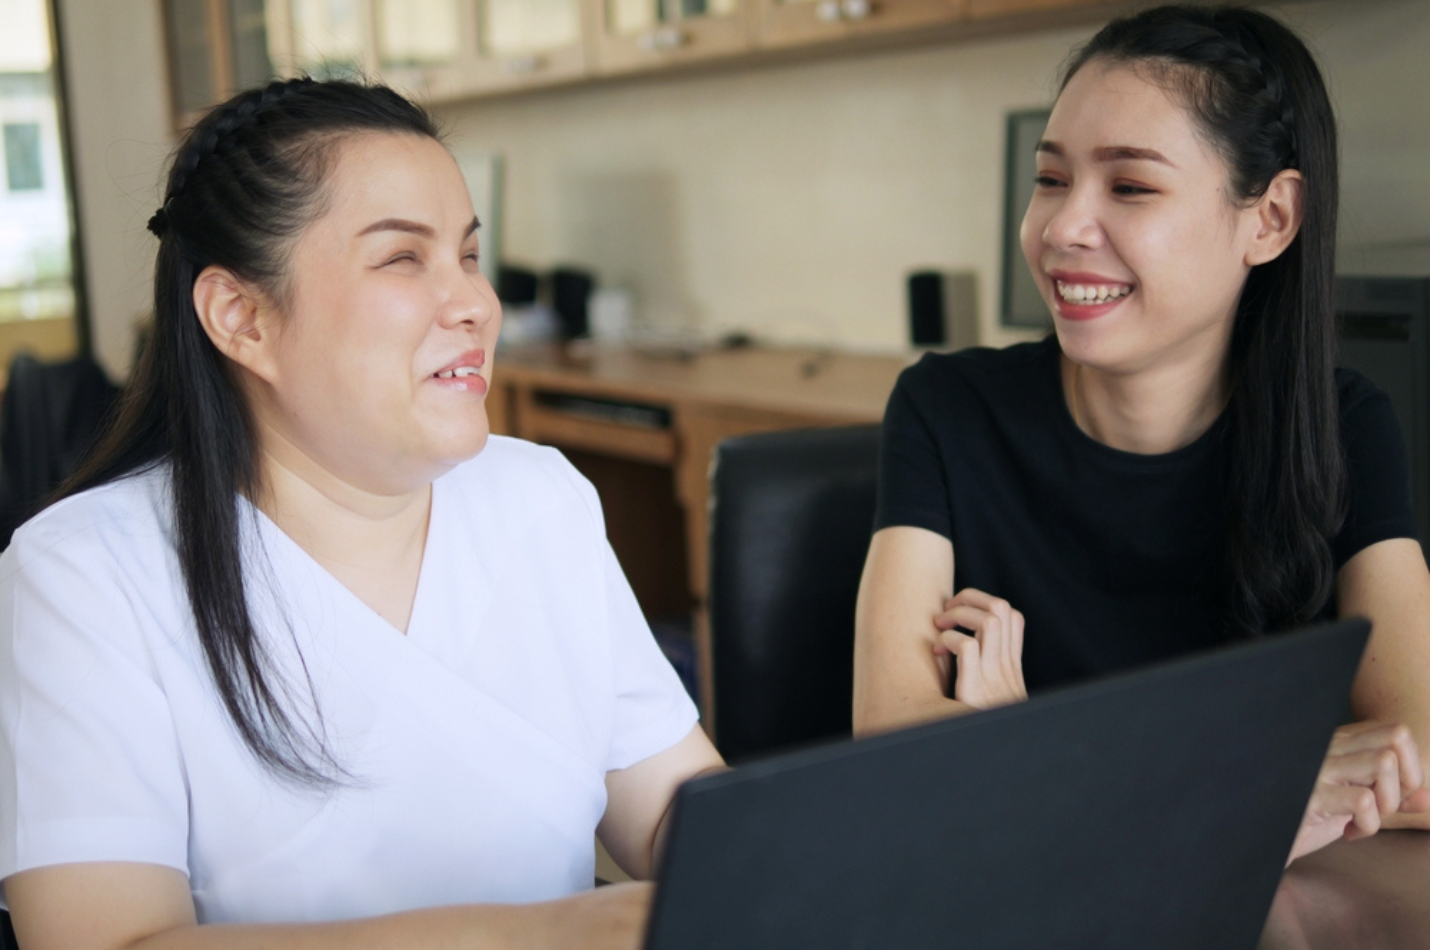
(459, 371)
(1092, 293)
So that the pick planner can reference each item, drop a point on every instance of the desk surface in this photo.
(818, 383)
(1356, 895)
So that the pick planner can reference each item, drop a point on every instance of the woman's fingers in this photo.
(989, 655)
(1371, 734)
(1377, 770)
(1371, 770)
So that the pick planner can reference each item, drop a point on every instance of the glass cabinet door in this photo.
(639, 34)
(330, 39)
(418, 33)
(792, 22)
(530, 41)
(440, 49)
(216, 47)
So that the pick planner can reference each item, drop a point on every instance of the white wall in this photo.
(792, 201)
(789, 201)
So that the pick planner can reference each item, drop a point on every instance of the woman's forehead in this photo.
(374, 176)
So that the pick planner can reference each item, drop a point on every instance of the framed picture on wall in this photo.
(1022, 305)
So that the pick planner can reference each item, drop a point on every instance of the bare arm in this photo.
(122, 906)
(638, 801)
(1389, 583)
(898, 680)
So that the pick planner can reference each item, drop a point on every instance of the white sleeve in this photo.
(652, 710)
(90, 768)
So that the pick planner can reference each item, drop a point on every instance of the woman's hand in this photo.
(984, 635)
(1372, 771)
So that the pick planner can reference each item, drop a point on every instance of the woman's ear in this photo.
(237, 319)
(1278, 217)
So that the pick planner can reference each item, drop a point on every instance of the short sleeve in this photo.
(90, 768)
(652, 711)
(1378, 474)
(912, 487)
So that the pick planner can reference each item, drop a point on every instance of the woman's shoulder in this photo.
(1355, 392)
(1008, 382)
(124, 515)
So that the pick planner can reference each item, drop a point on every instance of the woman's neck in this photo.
(371, 543)
(1147, 413)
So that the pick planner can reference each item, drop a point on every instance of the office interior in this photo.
(783, 199)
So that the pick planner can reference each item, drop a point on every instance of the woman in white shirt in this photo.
(303, 651)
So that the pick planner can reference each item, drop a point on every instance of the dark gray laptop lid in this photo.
(1152, 809)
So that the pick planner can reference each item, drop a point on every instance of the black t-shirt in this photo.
(1110, 556)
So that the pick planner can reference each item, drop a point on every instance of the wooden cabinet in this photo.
(325, 39)
(634, 35)
(444, 50)
(993, 9)
(432, 49)
(802, 22)
(215, 48)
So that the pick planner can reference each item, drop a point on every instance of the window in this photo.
(22, 157)
(37, 273)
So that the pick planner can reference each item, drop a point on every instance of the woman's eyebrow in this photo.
(1122, 153)
(1112, 153)
(414, 227)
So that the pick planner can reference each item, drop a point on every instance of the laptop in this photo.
(1152, 809)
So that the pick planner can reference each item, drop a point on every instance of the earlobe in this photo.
(232, 315)
(1278, 217)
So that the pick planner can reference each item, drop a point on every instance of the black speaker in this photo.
(943, 309)
(570, 297)
(516, 285)
(926, 310)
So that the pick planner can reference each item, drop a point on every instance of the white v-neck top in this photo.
(478, 742)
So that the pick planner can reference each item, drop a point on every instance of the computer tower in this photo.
(1385, 333)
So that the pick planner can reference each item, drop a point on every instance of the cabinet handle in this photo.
(523, 65)
(857, 9)
(665, 38)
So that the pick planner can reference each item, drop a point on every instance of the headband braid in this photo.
(223, 131)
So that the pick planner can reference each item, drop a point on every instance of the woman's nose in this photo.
(470, 300)
(1074, 222)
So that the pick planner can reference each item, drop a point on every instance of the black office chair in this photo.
(51, 415)
(790, 519)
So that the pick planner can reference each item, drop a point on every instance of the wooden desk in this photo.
(653, 473)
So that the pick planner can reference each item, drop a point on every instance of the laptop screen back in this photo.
(1152, 809)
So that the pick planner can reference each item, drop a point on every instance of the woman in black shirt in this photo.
(1180, 465)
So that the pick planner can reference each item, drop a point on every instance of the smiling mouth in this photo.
(1091, 293)
(457, 373)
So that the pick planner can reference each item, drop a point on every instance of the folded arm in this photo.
(899, 677)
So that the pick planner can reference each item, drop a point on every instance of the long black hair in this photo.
(242, 186)
(1256, 94)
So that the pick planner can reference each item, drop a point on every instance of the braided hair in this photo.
(242, 186)
(1255, 93)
